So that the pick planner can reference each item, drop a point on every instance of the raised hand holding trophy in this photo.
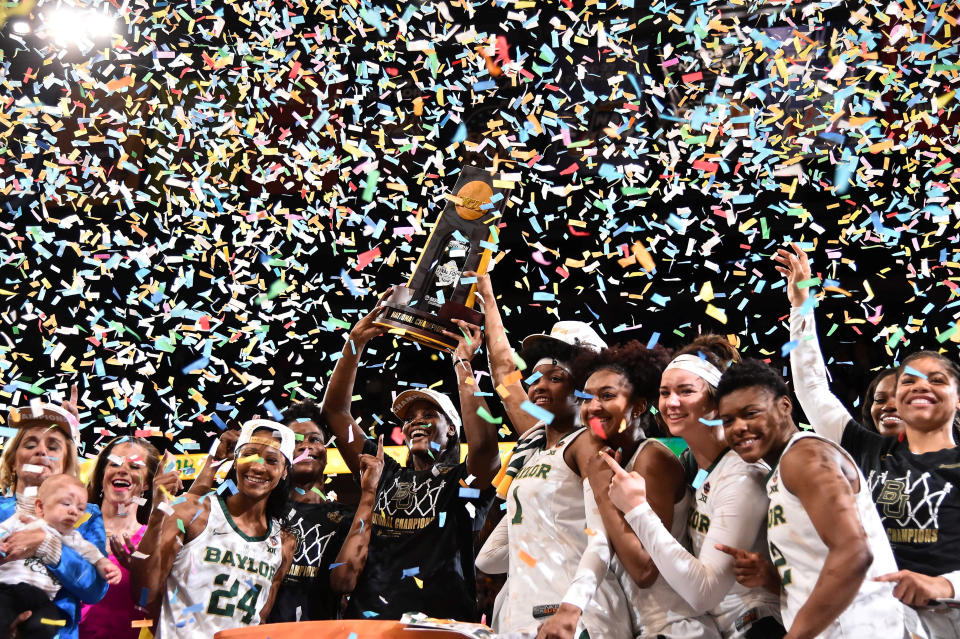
(461, 240)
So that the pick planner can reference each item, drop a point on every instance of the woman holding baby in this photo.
(46, 445)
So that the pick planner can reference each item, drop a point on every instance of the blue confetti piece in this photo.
(789, 346)
(711, 422)
(410, 572)
(199, 364)
(369, 614)
(469, 493)
(530, 380)
(460, 135)
(332, 566)
(273, 410)
(910, 370)
(540, 414)
(700, 478)
(653, 340)
(582, 395)
(443, 518)
(227, 486)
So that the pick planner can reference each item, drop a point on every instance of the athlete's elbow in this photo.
(858, 558)
(645, 575)
(343, 578)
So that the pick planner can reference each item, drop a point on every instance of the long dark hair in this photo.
(152, 462)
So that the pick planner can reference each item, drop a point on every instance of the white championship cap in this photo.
(571, 333)
(441, 401)
(282, 437)
(41, 414)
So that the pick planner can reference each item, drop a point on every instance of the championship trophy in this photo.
(462, 240)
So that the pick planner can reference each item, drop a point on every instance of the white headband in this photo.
(699, 367)
(549, 361)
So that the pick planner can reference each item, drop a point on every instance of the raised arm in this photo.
(826, 412)
(483, 454)
(353, 553)
(208, 474)
(665, 480)
(151, 564)
(162, 539)
(336, 401)
(703, 582)
(810, 470)
(500, 358)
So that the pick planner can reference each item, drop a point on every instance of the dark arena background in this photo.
(198, 199)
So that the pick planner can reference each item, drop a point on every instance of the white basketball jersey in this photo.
(220, 579)
(741, 605)
(798, 553)
(654, 609)
(547, 534)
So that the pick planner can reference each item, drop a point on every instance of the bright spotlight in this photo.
(20, 27)
(81, 28)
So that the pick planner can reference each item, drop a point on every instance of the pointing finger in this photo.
(890, 576)
(733, 552)
(614, 466)
(380, 448)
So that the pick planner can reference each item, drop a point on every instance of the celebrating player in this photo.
(215, 563)
(729, 508)
(550, 390)
(421, 547)
(913, 477)
(621, 384)
(823, 533)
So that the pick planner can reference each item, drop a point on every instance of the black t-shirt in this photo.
(421, 547)
(916, 496)
(320, 530)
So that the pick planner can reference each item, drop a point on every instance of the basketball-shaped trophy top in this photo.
(473, 196)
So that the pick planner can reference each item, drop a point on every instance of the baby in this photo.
(26, 584)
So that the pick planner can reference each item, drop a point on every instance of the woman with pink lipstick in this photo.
(123, 472)
(730, 505)
(914, 477)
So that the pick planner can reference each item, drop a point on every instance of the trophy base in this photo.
(426, 327)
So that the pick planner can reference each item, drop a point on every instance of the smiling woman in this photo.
(123, 471)
(913, 476)
(421, 535)
(45, 445)
(215, 563)
(729, 506)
